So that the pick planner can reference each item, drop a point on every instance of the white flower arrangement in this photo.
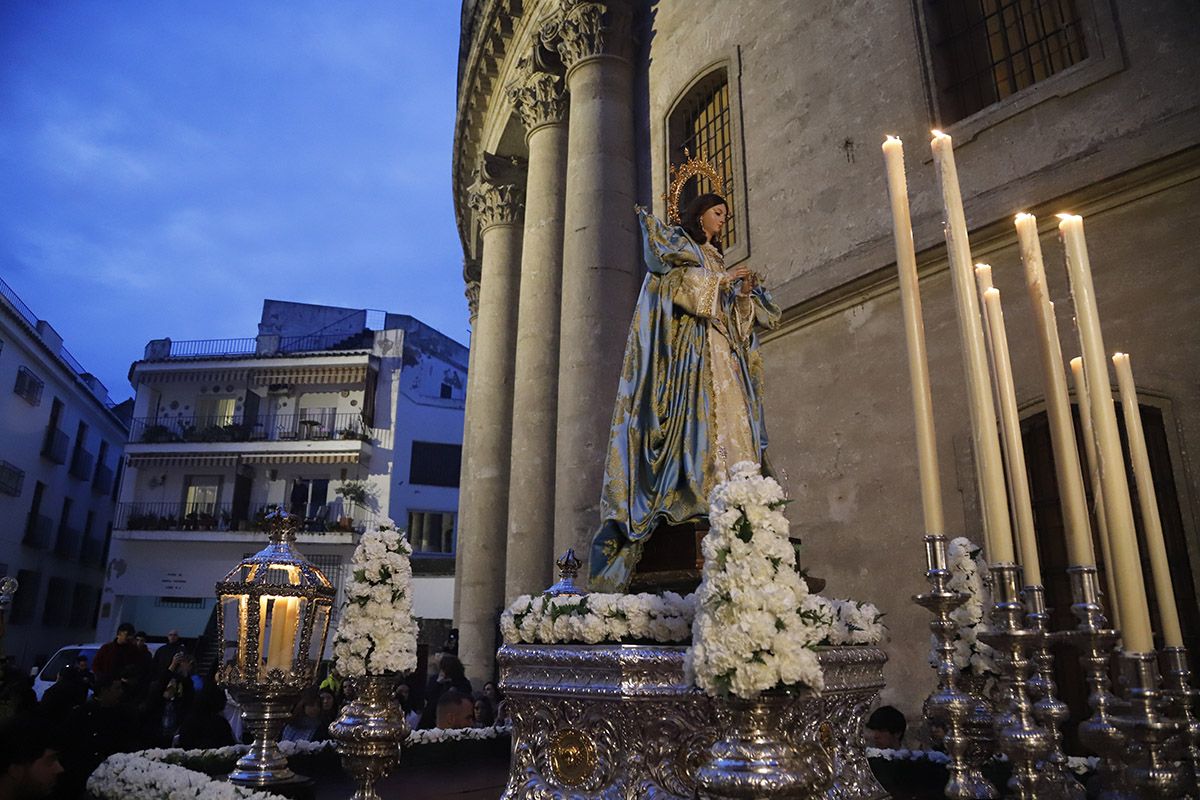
(133, 776)
(377, 632)
(756, 625)
(855, 622)
(161, 774)
(438, 735)
(1080, 765)
(596, 618)
(967, 570)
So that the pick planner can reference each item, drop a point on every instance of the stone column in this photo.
(471, 281)
(601, 267)
(483, 495)
(538, 98)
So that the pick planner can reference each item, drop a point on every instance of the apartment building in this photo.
(341, 416)
(61, 440)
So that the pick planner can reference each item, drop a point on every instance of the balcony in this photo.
(174, 517)
(39, 531)
(68, 542)
(81, 464)
(55, 445)
(271, 428)
(263, 345)
(103, 482)
(220, 517)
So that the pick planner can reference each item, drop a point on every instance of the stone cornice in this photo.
(492, 25)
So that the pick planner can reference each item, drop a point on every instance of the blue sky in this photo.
(168, 165)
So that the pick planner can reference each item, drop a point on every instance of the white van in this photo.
(48, 674)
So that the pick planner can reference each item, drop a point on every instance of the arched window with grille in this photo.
(704, 122)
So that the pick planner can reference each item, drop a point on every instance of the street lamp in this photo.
(273, 614)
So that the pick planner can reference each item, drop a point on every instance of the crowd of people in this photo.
(131, 698)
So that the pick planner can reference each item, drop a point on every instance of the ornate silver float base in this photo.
(621, 721)
(369, 733)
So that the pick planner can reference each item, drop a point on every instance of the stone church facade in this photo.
(570, 112)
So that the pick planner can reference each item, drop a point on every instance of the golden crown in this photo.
(690, 168)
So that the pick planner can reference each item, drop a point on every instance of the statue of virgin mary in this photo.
(689, 403)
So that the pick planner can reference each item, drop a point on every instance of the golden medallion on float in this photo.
(572, 756)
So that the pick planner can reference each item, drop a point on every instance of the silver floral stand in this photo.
(620, 721)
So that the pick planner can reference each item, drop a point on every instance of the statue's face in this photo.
(713, 220)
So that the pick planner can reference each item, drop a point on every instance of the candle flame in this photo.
(936, 132)
(1024, 215)
(1066, 216)
(892, 138)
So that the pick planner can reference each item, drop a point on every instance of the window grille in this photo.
(987, 50)
(702, 125)
(179, 602)
(12, 479)
(29, 386)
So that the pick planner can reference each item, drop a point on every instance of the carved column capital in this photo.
(538, 97)
(496, 203)
(581, 29)
(472, 294)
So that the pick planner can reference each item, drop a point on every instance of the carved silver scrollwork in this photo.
(623, 722)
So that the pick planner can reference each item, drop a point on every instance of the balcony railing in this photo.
(81, 464)
(55, 445)
(39, 531)
(174, 517)
(68, 542)
(93, 551)
(103, 482)
(270, 428)
(220, 517)
(200, 348)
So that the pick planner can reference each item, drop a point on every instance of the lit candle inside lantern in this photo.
(985, 437)
(914, 335)
(1160, 567)
(279, 632)
(289, 634)
(1072, 496)
(263, 649)
(1014, 450)
(1135, 613)
(1089, 451)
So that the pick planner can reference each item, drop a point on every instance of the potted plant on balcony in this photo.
(355, 492)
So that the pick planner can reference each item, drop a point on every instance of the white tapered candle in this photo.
(914, 335)
(984, 435)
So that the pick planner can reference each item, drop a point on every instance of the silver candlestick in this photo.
(947, 705)
(1018, 735)
(1147, 766)
(1177, 688)
(1095, 641)
(1056, 780)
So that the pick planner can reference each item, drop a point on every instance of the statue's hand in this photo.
(737, 274)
